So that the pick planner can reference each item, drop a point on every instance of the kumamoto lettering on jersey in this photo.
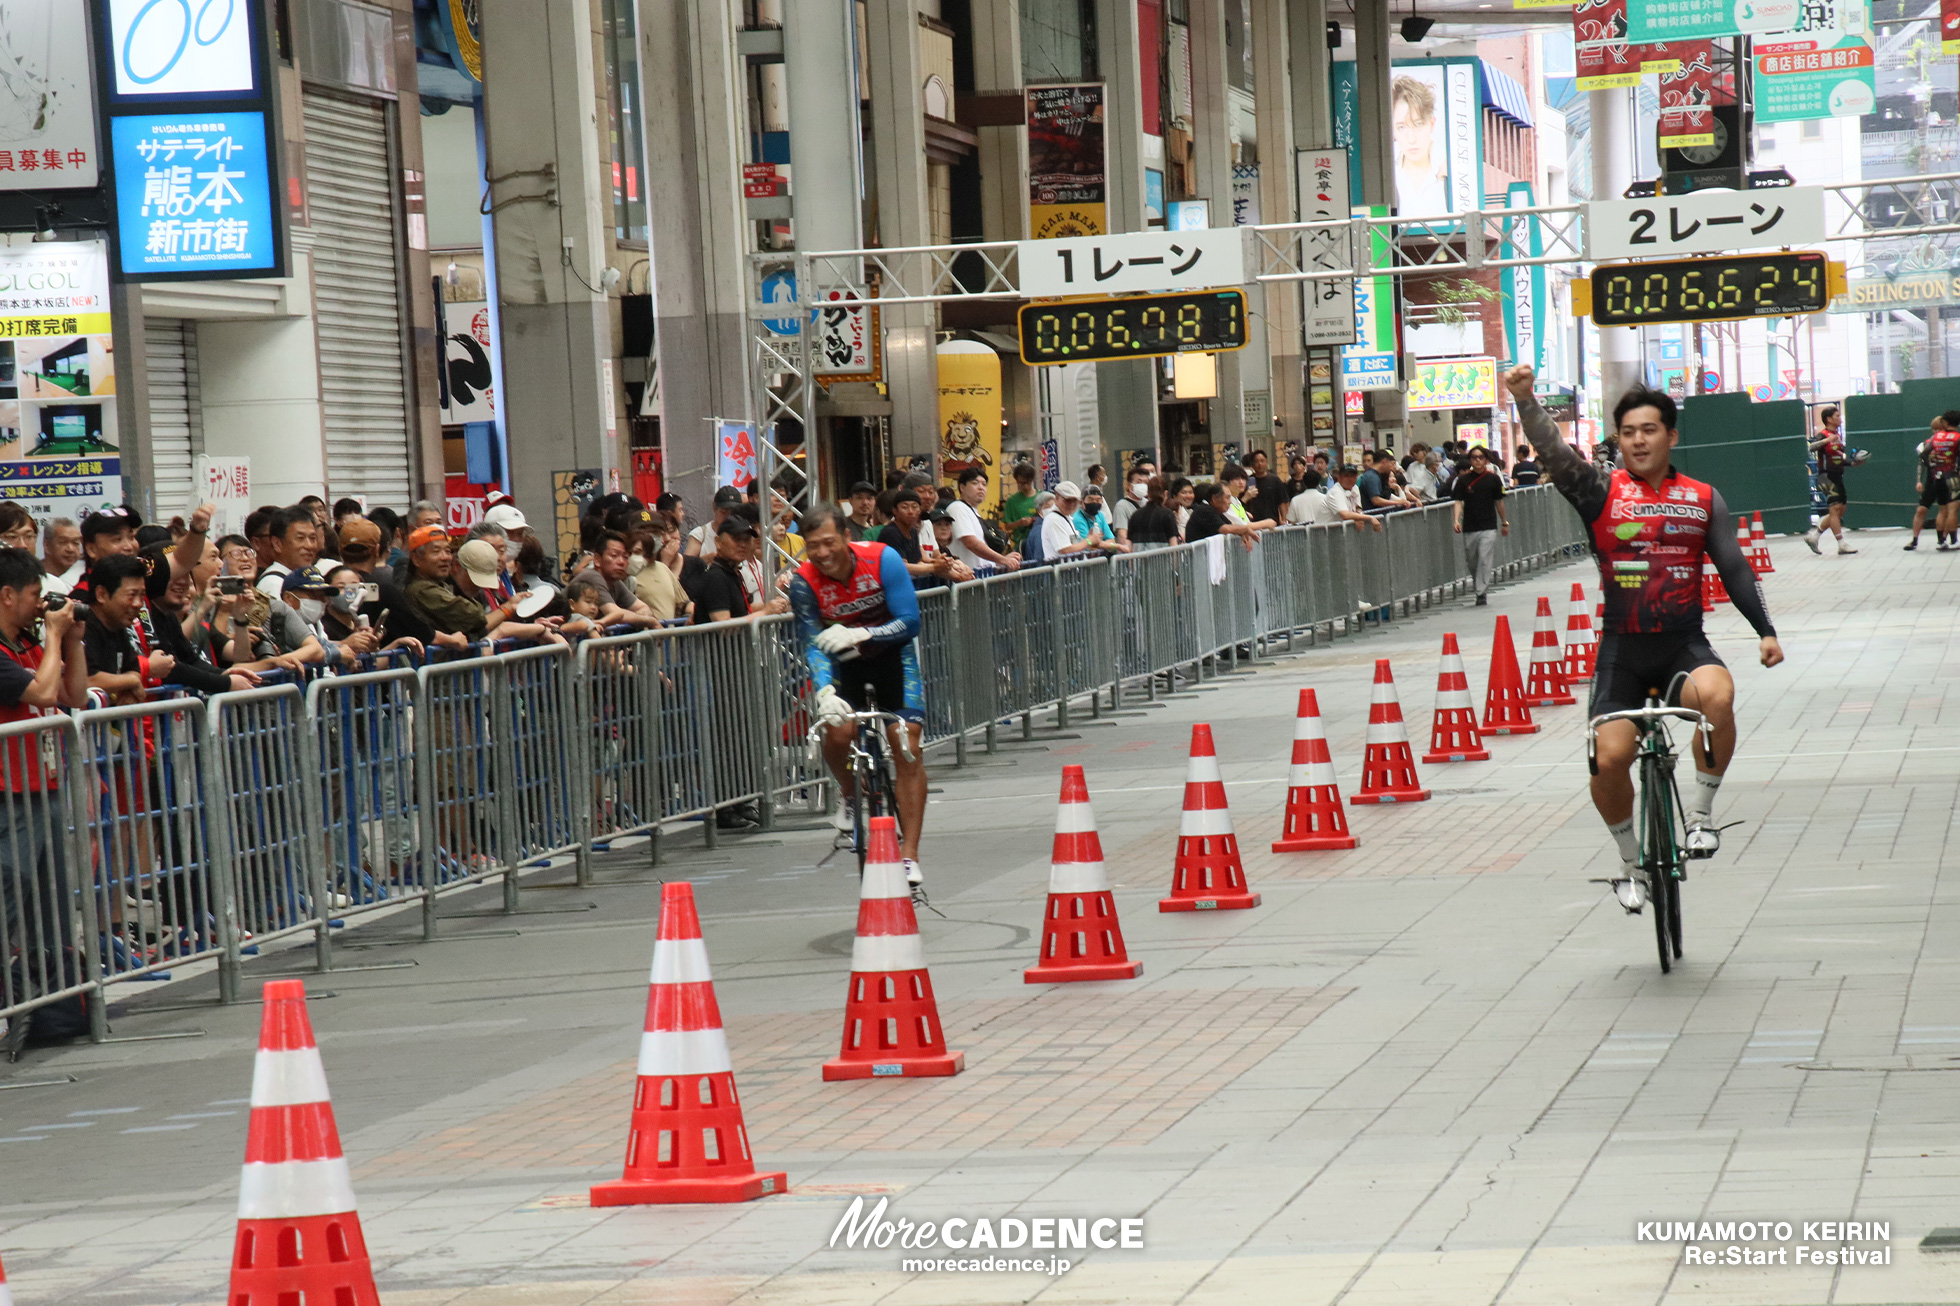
(1943, 453)
(858, 599)
(1650, 547)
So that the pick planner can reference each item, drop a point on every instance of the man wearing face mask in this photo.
(305, 592)
(1136, 491)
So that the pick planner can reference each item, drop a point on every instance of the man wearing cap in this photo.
(1092, 518)
(719, 594)
(1342, 493)
(1058, 533)
(864, 511)
(431, 588)
(701, 539)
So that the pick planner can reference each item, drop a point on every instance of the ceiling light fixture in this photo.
(1414, 28)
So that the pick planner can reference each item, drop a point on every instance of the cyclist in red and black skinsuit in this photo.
(1650, 529)
(1832, 459)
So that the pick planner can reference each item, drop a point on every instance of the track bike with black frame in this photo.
(1663, 841)
(873, 780)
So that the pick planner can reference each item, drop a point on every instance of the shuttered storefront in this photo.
(176, 431)
(356, 298)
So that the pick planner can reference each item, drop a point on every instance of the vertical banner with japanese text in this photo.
(734, 454)
(1524, 288)
(1327, 307)
(1067, 182)
(1688, 97)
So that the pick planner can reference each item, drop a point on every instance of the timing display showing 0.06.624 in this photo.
(1710, 289)
(1134, 326)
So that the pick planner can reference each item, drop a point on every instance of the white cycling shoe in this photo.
(1704, 840)
(913, 875)
(1631, 891)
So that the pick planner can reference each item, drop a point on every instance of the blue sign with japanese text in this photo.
(194, 194)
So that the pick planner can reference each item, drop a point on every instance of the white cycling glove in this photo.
(830, 707)
(839, 640)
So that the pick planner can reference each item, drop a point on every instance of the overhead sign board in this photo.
(1128, 264)
(194, 194)
(1704, 222)
(189, 49)
(47, 108)
(1328, 316)
(1454, 383)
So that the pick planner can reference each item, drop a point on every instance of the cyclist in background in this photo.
(1832, 459)
(857, 616)
(1650, 528)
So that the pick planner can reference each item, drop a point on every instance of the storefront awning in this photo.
(1504, 94)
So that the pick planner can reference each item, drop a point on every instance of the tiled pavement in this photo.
(1440, 1068)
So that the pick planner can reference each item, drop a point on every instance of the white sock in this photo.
(1627, 840)
(1701, 799)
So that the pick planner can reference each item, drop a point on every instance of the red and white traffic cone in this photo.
(891, 1019)
(1314, 819)
(1207, 875)
(1712, 589)
(1547, 687)
(1744, 542)
(299, 1237)
(1388, 772)
(1081, 938)
(686, 1142)
(1581, 640)
(1454, 736)
(1505, 711)
(1765, 563)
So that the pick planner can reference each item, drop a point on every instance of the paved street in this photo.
(1443, 1067)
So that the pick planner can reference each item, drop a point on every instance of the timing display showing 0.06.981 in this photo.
(1133, 326)
(1710, 289)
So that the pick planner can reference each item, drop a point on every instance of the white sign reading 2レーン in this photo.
(1705, 222)
(1138, 261)
(181, 47)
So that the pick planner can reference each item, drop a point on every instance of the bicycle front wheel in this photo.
(1658, 855)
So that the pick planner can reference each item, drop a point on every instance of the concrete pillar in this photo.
(691, 85)
(1126, 392)
(1273, 88)
(1372, 78)
(262, 375)
(898, 153)
(133, 398)
(1612, 162)
(554, 206)
(826, 164)
(1312, 77)
(1003, 150)
(425, 334)
(1212, 137)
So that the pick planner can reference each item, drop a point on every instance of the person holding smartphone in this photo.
(351, 616)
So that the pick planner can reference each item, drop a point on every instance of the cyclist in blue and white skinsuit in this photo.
(857, 616)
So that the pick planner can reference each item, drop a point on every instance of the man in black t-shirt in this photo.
(1525, 471)
(719, 594)
(1477, 512)
(1268, 491)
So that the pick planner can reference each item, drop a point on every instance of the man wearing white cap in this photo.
(1058, 534)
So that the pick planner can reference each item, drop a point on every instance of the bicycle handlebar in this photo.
(1648, 714)
(818, 726)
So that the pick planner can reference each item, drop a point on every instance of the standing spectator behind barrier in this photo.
(1267, 501)
(701, 541)
(119, 664)
(658, 581)
(16, 527)
(1525, 470)
(906, 536)
(1238, 490)
(61, 556)
(1059, 538)
(719, 594)
(1377, 484)
(389, 611)
(481, 565)
(42, 671)
(1136, 492)
(1344, 491)
(1313, 506)
(346, 622)
(968, 541)
(863, 520)
(1478, 510)
(1093, 518)
(1211, 516)
(177, 627)
(1180, 496)
(1018, 514)
(610, 567)
(1154, 523)
(1032, 549)
(295, 542)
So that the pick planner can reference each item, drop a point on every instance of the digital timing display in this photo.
(1137, 326)
(1710, 289)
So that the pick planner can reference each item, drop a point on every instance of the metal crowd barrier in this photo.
(171, 832)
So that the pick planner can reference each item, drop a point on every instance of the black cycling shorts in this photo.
(875, 684)
(1938, 492)
(1630, 665)
(1832, 483)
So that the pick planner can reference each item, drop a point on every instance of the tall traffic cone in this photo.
(686, 1141)
(1581, 640)
(1547, 687)
(1454, 737)
(1388, 772)
(891, 1019)
(1744, 543)
(298, 1234)
(1505, 712)
(1207, 875)
(1080, 936)
(1764, 563)
(1712, 589)
(1314, 819)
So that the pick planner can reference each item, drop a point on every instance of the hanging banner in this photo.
(1454, 383)
(1067, 187)
(466, 364)
(1688, 97)
(970, 415)
(47, 107)
(849, 340)
(1694, 20)
(1524, 288)
(1369, 363)
(734, 454)
(1815, 79)
(1327, 307)
(1603, 59)
(1950, 26)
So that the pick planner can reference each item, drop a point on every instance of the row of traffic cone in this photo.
(1749, 537)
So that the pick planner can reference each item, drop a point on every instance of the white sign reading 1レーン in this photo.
(182, 47)
(1127, 264)
(1705, 222)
